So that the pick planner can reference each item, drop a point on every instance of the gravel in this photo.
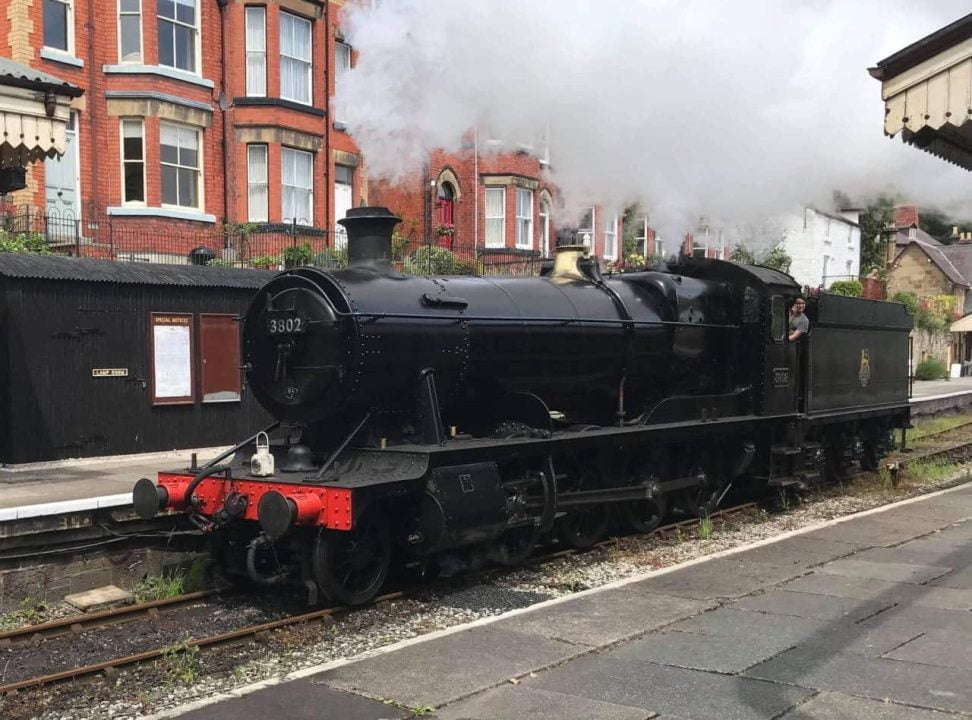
(151, 688)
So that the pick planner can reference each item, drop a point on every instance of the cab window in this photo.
(777, 318)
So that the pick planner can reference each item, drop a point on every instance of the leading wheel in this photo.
(350, 567)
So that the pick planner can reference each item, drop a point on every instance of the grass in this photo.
(159, 587)
(29, 611)
(924, 428)
(931, 470)
(181, 663)
(706, 528)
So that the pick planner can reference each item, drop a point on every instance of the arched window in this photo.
(446, 204)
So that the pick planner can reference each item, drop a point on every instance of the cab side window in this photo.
(777, 319)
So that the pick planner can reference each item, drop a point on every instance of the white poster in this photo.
(173, 361)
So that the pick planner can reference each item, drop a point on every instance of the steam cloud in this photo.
(735, 111)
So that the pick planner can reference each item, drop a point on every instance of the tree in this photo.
(630, 243)
(775, 258)
(936, 223)
(878, 215)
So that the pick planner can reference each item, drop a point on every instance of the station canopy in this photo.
(34, 112)
(927, 92)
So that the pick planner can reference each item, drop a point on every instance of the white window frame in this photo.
(69, 22)
(197, 31)
(251, 184)
(141, 34)
(309, 61)
(641, 234)
(544, 216)
(257, 13)
(341, 67)
(200, 185)
(309, 220)
(501, 217)
(521, 241)
(613, 234)
(121, 154)
(589, 231)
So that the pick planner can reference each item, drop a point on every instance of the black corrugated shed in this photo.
(77, 362)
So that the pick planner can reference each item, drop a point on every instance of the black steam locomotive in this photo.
(431, 415)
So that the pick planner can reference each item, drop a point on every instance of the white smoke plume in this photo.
(734, 111)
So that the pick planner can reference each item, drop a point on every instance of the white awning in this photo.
(963, 324)
(27, 134)
(930, 104)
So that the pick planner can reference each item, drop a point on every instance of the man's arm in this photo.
(802, 327)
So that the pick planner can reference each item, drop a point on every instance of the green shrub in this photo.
(332, 259)
(23, 243)
(930, 369)
(908, 299)
(848, 288)
(298, 255)
(431, 260)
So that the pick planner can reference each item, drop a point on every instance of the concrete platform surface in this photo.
(851, 619)
(64, 486)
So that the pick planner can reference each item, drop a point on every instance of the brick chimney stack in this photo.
(905, 215)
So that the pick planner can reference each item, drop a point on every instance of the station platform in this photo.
(51, 489)
(866, 617)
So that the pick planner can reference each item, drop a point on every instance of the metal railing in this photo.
(94, 233)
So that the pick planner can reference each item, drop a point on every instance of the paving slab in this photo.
(700, 652)
(743, 625)
(838, 706)
(799, 550)
(99, 598)
(303, 700)
(447, 668)
(892, 571)
(605, 617)
(939, 555)
(874, 530)
(961, 579)
(871, 589)
(938, 647)
(958, 533)
(808, 605)
(517, 702)
(711, 580)
(669, 690)
(920, 619)
(820, 667)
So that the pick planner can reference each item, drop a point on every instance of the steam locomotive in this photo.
(450, 415)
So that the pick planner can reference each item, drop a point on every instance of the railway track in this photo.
(80, 624)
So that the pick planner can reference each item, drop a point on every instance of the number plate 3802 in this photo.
(286, 325)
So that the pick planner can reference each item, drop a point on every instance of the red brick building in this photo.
(196, 114)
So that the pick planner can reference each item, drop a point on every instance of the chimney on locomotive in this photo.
(573, 256)
(369, 236)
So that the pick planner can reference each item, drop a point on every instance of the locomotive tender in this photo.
(426, 415)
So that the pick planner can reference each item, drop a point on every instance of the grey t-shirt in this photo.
(799, 322)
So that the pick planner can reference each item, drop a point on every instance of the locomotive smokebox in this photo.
(369, 235)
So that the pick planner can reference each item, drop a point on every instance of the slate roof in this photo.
(46, 267)
(943, 261)
(15, 73)
(903, 238)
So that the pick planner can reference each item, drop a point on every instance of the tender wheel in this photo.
(643, 516)
(515, 545)
(350, 567)
(581, 529)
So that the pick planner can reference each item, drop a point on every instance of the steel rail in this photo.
(79, 623)
(211, 641)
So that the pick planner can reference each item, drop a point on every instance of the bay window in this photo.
(178, 32)
(524, 218)
(179, 155)
(295, 58)
(256, 51)
(298, 186)
(495, 217)
(257, 183)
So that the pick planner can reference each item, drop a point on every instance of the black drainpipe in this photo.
(224, 104)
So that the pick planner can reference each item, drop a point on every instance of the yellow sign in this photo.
(865, 373)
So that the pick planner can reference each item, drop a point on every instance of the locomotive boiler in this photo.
(473, 415)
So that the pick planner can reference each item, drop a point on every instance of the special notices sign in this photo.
(172, 358)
